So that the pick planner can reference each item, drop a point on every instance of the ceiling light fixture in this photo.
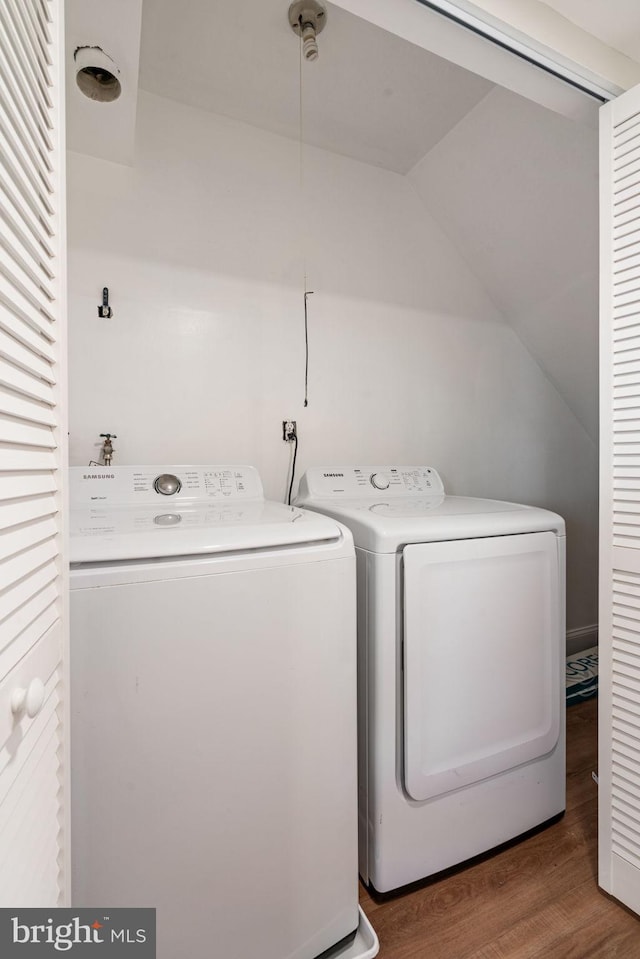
(97, 75)
(307, 19)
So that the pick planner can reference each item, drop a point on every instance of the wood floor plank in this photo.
(535, 899)
(480, 899)
(564, 924)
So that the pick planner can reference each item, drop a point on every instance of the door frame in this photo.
(470, 36)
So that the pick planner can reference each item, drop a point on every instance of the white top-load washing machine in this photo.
(461, 642)
(213, 681)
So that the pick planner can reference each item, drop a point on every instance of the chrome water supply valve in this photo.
(307, 19)
(107, 447)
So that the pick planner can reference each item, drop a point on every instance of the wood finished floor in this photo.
(537, 899)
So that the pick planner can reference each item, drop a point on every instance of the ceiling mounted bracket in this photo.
(307, 19)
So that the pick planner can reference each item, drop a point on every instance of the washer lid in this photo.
(123, 514)
(101, 535)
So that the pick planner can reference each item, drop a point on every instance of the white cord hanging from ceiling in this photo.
(306, 18)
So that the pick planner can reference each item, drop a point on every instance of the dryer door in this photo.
(483, 655)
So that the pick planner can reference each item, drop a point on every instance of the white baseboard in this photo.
(580, 639)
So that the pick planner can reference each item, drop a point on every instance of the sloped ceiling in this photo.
(370, 95)
(516, 188)
(514, 185)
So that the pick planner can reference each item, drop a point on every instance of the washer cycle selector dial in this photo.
(167, 484)
(379, 481)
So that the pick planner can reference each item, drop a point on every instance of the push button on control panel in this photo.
(167, 519)
(167, 484)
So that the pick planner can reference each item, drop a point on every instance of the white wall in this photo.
(200, 245)
(515, 187)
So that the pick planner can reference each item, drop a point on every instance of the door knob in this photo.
(29, 700)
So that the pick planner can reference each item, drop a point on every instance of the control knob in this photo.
(167, 484)
(379, 481)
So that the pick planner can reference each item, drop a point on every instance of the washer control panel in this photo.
(368, 482)
(151, 485)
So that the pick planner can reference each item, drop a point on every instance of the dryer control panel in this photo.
(356, 482)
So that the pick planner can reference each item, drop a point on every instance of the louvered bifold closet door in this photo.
(33, 581)
(619, 707)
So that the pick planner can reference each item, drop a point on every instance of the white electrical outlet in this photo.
(289, 431)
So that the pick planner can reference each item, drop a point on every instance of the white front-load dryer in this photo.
(461, 637)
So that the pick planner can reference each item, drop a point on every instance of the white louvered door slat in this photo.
(17, 239)
(619, 713)
(20, 166)
(26, 409)
(22, 259)
(18, 121)
(18, 354)
(34, 859)
(34, 53)
(21, 298)
(23, 121)
(18, 63)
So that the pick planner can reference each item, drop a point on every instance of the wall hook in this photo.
(104, 310)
